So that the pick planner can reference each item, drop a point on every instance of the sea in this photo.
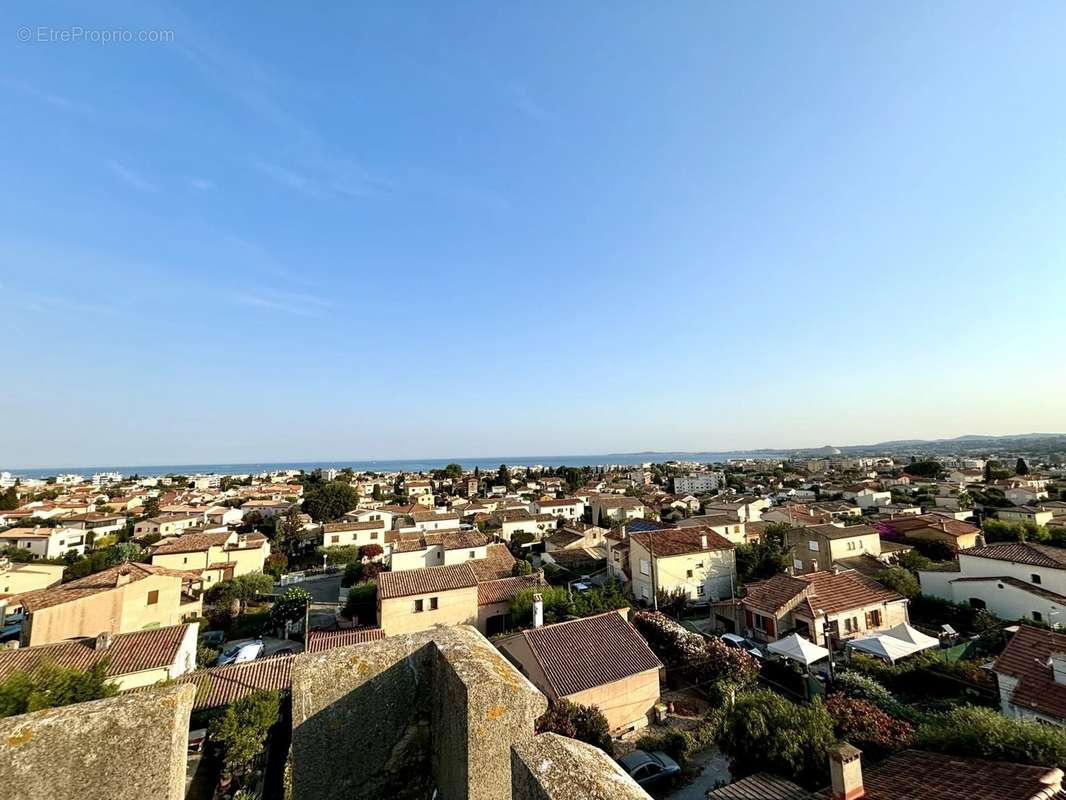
(409, 465)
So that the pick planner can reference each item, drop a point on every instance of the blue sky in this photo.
(393, 230)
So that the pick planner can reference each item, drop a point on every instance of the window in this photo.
(812, 545)
(335, 539)
(373, 534)
(153, 597)
(418, 606)
(851, 624)
(1038, 617)
(699, 590)
(433, 604)
(440, 554)
(688, 573)
(797, 564)
(758, 622)
(1034, 578)
(873, 619)
(645, 567)
(472, 554)
(185, 560)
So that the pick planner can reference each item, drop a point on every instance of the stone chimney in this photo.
(845, 772)
(102, 641)
(538, 610)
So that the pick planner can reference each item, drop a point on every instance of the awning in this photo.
(895, 643)
(798, 649)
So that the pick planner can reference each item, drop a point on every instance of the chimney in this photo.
(102, 641)
(845, 771)
(538, 610)
(122, 578)
(703, 541)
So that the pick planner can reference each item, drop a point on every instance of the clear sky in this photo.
(392, 230)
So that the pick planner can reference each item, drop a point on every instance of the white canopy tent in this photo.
(895, 643)
(798, 649)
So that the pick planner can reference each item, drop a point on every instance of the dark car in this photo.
(740, 643)
(649, 769)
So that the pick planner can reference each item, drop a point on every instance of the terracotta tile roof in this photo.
(761, 786)
(425, 580)
(562, 501)
(498, 563)
(918, 775)
(679, 541)
(129, 652)
(1038, 591)
(191, 543)
(775, 593)
(503, 589)
(326, 640)
(834, 592)
(220, 686)
(1026, 658)
(937, 522)
(103, 581)
(583, 653)
(1036, 555)
(338, 527)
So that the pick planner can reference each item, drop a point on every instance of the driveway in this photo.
(713, 768)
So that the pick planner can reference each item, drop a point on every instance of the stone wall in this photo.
(124, 748)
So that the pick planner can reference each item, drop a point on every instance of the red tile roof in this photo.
(503, 589)
(129, 652)
(583, 653)
(103, 581)
(326, 640)
(220, 686)
(680, 541)
(843, 591)
(1035, 555)
(918, 775)
(1026, 658)
(425, 580)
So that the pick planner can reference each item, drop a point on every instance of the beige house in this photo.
(954, 533)
(125, 598)
(595, 661)
(606, 509)
(476, 592)
(354, 534)
(697, 561)
(442, 548)
(167, 524)
(18, 578)
(724, 525)
(140, 658)
(214, 556)
(845, 604)
(816, 548)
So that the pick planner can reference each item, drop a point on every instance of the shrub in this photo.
(866, 726)
(362, 603)
(711, 661)
(290, 607)
(899, 580)
(50, 685)
(371, 551)
(339, 556)
(985, 733)
(862, 687)
(676, 743)
(241, 730)
(585, 723)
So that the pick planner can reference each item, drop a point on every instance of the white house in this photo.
(569, 508)
(698, 482)
(1013, 580)
(45, 542)
(1031, 675)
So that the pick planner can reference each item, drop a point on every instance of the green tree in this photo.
(985, 733)
(290, 607)
(764, 732)
(288, 528)
(236, 593)
(330, 501)
(899, 580)
(454, 471)
(362, 603)
(379, 496)
(760, 560)
(584, 723)
(151, 507)
(9, 499)
(503, 477)
(1020, 467)
(925, 469)
(50, 685)
(241, 730)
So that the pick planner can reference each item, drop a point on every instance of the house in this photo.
(380, 514)
(1035, 514)
(167, 524)
(353, 534)
(414, 487)
(1031, 675)
(265, 509)
(99, 524)
(521, 521)
(843, 604)
(575, 537)
(138, 658)
(439, 548)
(569, 508)
(818, 547)
(957, 535)
(476, 592)
(609, 508)
(744, 507)
(223, 515)
(595, 661)
(796, 514)
(124, 598)
(724, 525)
(697, 561)
(1013, 580)
(317, 641)
(215, 556)
(1024, 496)
(698, 482)
(435, 521)
(45, 542)
(16, 578)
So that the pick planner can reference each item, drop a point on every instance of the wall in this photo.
(29, 577)
(715, 576)
(1006, 601)
(626, 703)
(455, 607)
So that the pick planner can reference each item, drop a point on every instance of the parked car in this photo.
(212, 638)
(241, 652)
(650, 770)
(740, 643)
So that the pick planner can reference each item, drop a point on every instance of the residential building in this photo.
(698, 482)
(596, 661)
(266, 509)
(1024, 496)
(723, 524)
(124, 598)
(417, 550)
(521, 521)
(16, 578)
(416, 486)
(746, 508)
(695, 560)
(475, 592)
(956, 534)
(610, 508)
(818, 547)
(1013, 580)
(215, 556)
(223, 515)
(1035, 514)
(354, 534)
(45, 542)
(167, 524)
(138, 658)
(569, 508)
(435, 521)
(1031, 676)
(843, 604)
(100, 524)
